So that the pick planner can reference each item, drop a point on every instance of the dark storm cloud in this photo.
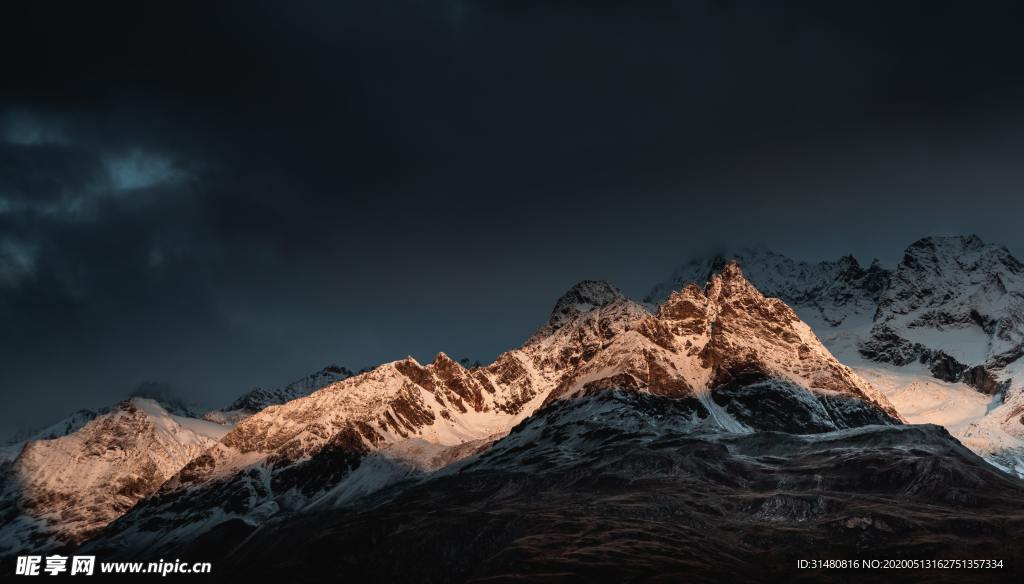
(213, 196)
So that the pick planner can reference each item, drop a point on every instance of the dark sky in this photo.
(215, 195)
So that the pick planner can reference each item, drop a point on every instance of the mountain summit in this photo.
(729, 346)
(582, 298)
(719, 428)
(831, 292)
(720, 404)
(63, 490)
(737, 361)
(958, 296)
(946, 322)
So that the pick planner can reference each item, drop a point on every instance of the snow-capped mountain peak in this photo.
(832, 292)
(719, 352)
(63, 490)
(960, 296)
(942, 333)
(955, 305)
(583, 297)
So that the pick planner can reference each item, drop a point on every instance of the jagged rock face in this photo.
(726, 351)
(951, 310)
(717, 341)
(395, 401)
(259, 398)
(956, 297)
(423, 415)
(582, 298)
(953, 303)
(64, 490)
(760, 343)
(958, 303)
(287, 456)
(886, 346)
(754, 334)
(624, 486)
(833, 292)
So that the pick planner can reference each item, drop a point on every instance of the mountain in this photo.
(117, 456)
(62, 490)
(739, 427)
(159, 392)
(715, 437)
(64, 427)
(831, 292)
(728, 359)
(728, 346)
(259, 398)
(620, 486)
(360, 434)
(941, 334)
(584, 297)
(957, 304)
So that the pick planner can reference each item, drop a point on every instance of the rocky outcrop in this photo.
(832, 292)
(951, 310)
(727, 336)
(954, 303)
(959, 304)
(582, 298)
(61, 491)
(886, 346)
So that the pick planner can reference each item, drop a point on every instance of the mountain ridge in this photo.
(703, 348)
(722, 359)
(61, 491)
(951, 307)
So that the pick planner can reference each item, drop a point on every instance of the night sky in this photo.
(216, 196)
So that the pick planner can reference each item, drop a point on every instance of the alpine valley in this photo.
(753, 411)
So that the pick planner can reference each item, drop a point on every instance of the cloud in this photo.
(25, 129)
(17, 261)
(39, 176)
(138, 170)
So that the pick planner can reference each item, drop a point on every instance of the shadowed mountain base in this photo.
(629, 504)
